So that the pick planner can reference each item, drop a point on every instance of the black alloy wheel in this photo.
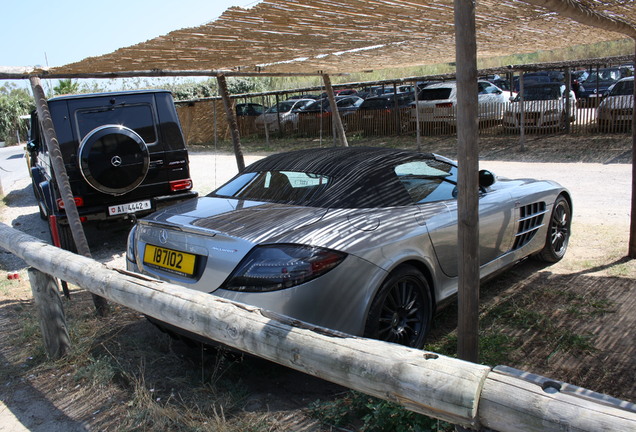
(558, 235)
(401, 310)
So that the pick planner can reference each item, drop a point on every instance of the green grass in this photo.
(363, 413)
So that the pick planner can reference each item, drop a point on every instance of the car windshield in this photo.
(623, 88)
(540, 93)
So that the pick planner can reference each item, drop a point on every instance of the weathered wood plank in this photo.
(50, 312)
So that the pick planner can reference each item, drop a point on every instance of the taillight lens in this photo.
(178, 185)
(275, 267)
(79, 202)
(444, 105)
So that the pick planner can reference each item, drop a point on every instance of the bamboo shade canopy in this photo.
(340, 36)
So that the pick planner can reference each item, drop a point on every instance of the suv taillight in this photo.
(178, 185)
(79, 202)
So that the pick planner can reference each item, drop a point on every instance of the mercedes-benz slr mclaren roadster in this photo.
(360, 240)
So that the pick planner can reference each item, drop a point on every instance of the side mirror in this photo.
(486, 179)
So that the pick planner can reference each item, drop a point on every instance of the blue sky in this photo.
(56, 33)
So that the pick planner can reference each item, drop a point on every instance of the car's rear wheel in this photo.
(114, 159)
(558, 235)
(64, 234)
(401, 310)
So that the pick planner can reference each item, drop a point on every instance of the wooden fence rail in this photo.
(463, 393)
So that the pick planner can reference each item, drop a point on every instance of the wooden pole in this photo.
(62, 180)
(468, 181)
(231, 120)
(418, 132)
(335, 115)
(632, 230)
(568, 102)
(522, 114)
(50, 312)
(467, 394)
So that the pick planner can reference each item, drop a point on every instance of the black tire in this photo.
(65, 235)
(41, 205)
(401, 310)
(558, 236)
(113, 159)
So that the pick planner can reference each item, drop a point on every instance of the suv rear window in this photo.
(435, 94)
(136, 117)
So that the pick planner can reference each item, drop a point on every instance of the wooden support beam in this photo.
(46, 295)
(335, 117)
(231, 120)
(62, 180)
(467, 181)
(631, 252)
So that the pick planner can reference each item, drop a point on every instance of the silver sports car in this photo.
(360, 240)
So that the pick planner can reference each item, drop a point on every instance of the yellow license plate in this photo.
(171, 260)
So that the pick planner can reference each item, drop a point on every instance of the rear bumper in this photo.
(100, 212)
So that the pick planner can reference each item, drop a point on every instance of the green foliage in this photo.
(14, 102)
(369, 414)
(66, 86)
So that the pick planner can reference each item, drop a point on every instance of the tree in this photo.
(66, 86)
(14, 102)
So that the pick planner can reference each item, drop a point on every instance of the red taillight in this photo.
(79, 202)
(178, 185)
(444, 105)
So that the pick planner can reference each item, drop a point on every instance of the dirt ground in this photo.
(595, 278)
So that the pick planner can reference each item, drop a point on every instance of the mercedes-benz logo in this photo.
(116, 161)
(163, 236)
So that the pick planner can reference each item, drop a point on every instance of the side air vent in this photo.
(530, 220)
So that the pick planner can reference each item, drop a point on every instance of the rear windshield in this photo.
(136, 117)
(435, 94)
(288, 187)
(623, 88)
(375, 104)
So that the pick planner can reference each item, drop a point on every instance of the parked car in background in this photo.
(359, 240)
(544, 106)
(339, 92)
(305, 96)
(615, 111)
(383, 115)
(437, 103)
(597, 84)
(281, 117)
(249, 109)
(317, 116)
(124, 153)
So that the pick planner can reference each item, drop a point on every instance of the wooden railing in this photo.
(471, 395)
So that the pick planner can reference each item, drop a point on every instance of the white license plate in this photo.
(132, 207)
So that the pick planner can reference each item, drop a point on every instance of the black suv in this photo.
(124, 153)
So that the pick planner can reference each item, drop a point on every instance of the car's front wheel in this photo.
(401, 310)
(558, 235)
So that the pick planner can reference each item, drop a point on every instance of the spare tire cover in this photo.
(113, 159)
